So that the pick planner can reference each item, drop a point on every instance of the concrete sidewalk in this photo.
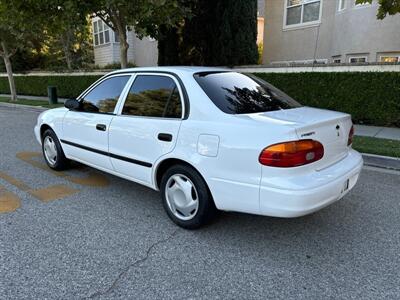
(378, 132)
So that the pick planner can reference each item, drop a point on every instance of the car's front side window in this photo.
(153, 96)
(104, 97)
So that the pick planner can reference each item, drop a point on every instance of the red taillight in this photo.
(292, 154)
(351, 134)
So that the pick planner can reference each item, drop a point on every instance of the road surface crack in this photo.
(132, 265)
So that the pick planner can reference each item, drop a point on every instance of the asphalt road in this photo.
(85, 234)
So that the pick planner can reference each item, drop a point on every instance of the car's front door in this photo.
(147, 125)
(85, 132)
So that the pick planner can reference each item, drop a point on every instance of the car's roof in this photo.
(172, 69)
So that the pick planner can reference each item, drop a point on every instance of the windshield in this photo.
(236, 93)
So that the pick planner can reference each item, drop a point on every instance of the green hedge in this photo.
(67, 86)
(370, 97)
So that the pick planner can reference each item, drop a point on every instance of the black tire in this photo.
(206, 208)
(61, 162)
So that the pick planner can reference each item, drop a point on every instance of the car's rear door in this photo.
(85, 131)
(146, 126)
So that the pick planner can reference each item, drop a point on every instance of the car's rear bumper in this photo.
(288, 203)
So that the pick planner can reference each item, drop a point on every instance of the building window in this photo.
(342, 5)
(358, 59)
(360, 4)
(336, 60)
(302, 11)
(101, 33)
(390, 59)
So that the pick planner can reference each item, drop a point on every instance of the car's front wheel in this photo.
(52, 151)
(186, 197)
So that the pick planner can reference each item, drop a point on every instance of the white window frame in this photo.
(102, 32)
(358, 56)
(388, 55)
(340, 4)
(301, 24)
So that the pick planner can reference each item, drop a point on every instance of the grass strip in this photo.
(377, 146)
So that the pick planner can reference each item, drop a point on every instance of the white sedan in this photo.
(209, 139)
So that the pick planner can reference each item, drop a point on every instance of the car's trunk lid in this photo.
(328, 127)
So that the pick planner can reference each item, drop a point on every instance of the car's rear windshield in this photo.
(237, 93)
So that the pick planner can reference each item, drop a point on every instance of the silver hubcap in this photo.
(50, 150)
(182, 197)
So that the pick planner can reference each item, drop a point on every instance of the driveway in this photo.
(85, 234)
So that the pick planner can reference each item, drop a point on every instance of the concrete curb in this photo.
(39, 98)
(23, 107)
(379, 161)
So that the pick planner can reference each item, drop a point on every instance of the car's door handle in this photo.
(166, 137)
(101, 127)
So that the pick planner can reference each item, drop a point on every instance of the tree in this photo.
(220, 33)
(65, 24)
(168, 46)
(386, 7)
(145, 15)
(238, 32)
(67, 28)
(15, 33)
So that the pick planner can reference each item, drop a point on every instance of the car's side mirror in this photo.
(72, 104)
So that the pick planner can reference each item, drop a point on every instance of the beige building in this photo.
(328, 31)
(142, 52)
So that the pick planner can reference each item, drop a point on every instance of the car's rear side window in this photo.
(153, 96)
(236, 93)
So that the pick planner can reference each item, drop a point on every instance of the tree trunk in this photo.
(66, 41)
(67, 55)
(123, 47)
(68, 59)
(7, 62)
(117, 23)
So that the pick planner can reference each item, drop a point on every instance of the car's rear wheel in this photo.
(52, 151)
(186, 197)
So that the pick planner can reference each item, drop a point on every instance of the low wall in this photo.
(321, 68)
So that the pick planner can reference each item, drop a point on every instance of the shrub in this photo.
(260, 47)
(67, 86)
(371, 98)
